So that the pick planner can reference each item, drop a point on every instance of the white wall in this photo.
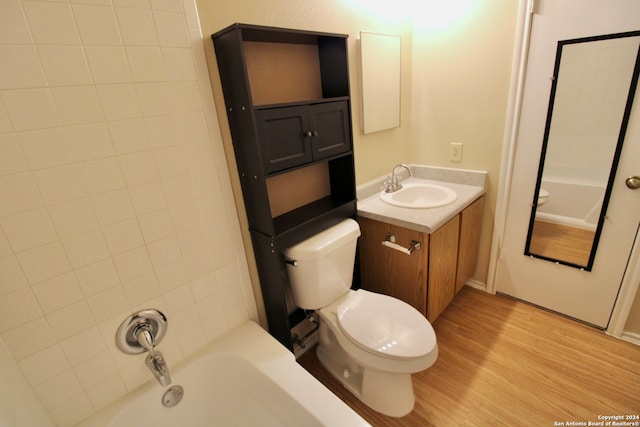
(114, 196)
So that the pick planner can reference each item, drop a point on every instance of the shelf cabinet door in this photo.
(330, 129)
(284, 138)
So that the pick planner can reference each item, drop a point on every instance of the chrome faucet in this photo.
(155, 361)
(392, 183)
(140, 332)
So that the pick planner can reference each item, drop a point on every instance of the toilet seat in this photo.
(385, 326)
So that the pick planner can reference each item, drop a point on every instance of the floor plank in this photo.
(504, 362)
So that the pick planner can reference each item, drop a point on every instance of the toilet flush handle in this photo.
(292, 262)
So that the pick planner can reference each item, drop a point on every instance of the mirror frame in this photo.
(616, 157)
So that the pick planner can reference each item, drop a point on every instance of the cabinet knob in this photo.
(309, 134)
(315, 133)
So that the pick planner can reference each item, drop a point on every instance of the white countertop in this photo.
(468, 185)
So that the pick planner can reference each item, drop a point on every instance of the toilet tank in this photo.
(324, 267)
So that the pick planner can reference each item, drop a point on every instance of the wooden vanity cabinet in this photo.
(427, 279)
(287, 100)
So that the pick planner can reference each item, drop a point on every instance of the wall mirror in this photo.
(380, 67)
(593, 86)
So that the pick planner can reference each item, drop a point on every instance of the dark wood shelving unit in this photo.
(287, 100)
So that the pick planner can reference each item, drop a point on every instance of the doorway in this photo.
(569, 289)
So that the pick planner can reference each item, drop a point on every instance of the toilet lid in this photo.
(385, 325)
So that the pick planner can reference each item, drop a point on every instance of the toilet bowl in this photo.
(370, 342)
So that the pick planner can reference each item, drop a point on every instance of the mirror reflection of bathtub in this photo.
(246, 378)
(566, 223)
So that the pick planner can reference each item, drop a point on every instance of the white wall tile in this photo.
(83, 346)
(74, 217)
(142, 289)
(137, 27)
(102, 162)
(44, 262)
(172, 29)
(59, 292)
(60, 184)
(25, 70)
(72, 411)
(96, 369)
(146, 64)
(70, 320)
(114, 206)
(86, 248)
(106, 304)
(164, 131)
(129, 136)
(106, 392)
(132, 264)
(155, 225)
(148, 198)
(164, 251)
(58, 389)
(78, 104)
(44, 365)
(12, 159)
(97, 25)
(11, 276)
(90, 141)
(29, 338)
(139, 168)
(119, 101)
(97, 277)
(31, 109)
(29, 229)
(123, 236)
(178, 63)
(64, 65)
(155, 98)
(108, 64)
(171, 276)
(19, 193)
(18, 308)
(13, 24)
(51, 23)
(101, 176)
(46, 148)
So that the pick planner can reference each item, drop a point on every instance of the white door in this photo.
(585, 295)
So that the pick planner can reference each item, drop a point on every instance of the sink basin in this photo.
(419, 195)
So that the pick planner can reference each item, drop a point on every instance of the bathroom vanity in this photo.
(429, 277)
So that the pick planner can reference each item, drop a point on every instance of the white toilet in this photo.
(543, 197)
(370, 342)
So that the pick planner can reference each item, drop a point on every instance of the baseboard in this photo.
(632, 337)
(476, 284)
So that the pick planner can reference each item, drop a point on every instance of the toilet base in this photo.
(385, 392)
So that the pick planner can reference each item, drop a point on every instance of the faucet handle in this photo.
(141, 331)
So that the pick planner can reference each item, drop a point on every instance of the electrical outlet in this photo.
(455, 153)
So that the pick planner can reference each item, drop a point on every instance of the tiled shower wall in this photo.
(114, 196)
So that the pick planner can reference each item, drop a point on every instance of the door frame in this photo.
(631, 279)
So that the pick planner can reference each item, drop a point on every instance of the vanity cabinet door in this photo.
(470, 227)
(284, 135)
(390, 272)
(443, 260)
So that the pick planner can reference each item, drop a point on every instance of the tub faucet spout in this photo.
(158, 367)
(155, 360)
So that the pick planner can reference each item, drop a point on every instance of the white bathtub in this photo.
(245, 379)
(571, 202)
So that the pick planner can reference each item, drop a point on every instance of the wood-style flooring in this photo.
(503, 362)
